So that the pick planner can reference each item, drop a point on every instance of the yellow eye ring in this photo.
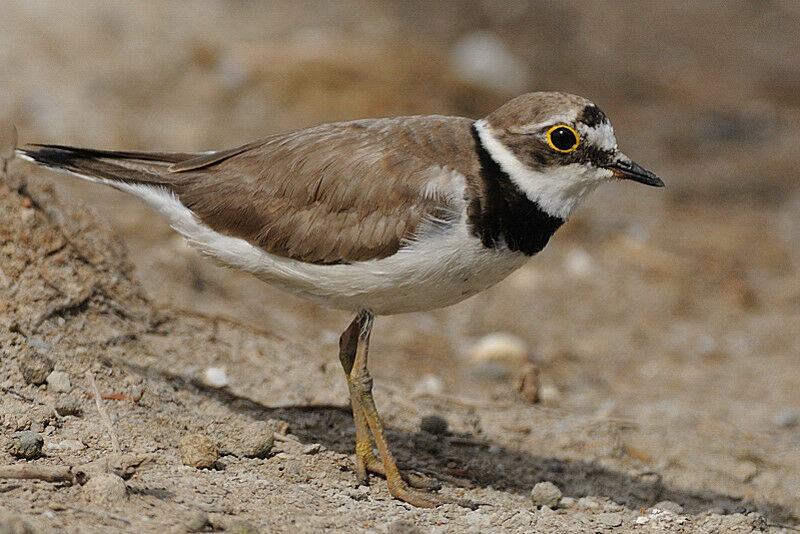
(566, 138)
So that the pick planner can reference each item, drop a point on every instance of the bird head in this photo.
(556, 148)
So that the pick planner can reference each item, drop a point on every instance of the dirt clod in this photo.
(197, 521)
(197, 450)
(105, 489)
(26, 444)
(403, 527)
(35, 367)
(68, 406)
(58, 382)
(434, 424)
(240, 526)
(546, 494)
(258, 441)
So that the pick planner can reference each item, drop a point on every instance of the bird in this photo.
(378, 216)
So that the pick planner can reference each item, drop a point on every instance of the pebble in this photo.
(197, 521)
(69, 406)
(609, 519)
(482, 57)
(546, 494)
(105, 489)
(429, 385)
(240, 526)
(216, 377)
(549, 394)
(258, 441)
(495, 355)
(68, 445)
(58, 381)
(434, 424)
(669, 506)
(312, 448)
(744, 471)
(198, 451)
(26, 444)
(15, 525)
(403, 527)
(35, 368)
(786, 418)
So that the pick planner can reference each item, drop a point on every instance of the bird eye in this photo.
(562, 138)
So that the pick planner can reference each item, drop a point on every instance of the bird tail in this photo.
(114, 168)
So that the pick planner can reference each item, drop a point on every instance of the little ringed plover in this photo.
(378, 216)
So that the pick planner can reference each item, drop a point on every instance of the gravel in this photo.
(546, 494)
(26, 444)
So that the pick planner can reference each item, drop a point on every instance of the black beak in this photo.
(625, 169)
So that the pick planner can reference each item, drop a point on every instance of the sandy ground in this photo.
(663, 323)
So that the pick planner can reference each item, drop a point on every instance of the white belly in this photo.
(445, 267)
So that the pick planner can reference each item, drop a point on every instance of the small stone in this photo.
(58, 381)
(434, 424)
(68, 445)
(35, 368)
(198, 451)
(567, 502)
(786, 418)
(197, 521)
(26, 444)
(105, 489)
(669, 506)
(528, 382)
(312, 448)
(588, 503)
(10, 524)
(240, 526)
(258, 441)
(429, 385)
(403, 527)
(546, 494)
(483, 58)
(69, 406)
(610, 519)
(495, 355)
(216, 377)
(744, 471)
(549, 394)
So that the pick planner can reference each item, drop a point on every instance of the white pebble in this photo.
(483, 58)
(429, 384)
(579, 263)
(501, 347)
(58, 381)
(216, 377)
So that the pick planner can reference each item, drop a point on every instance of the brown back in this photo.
(330, 194)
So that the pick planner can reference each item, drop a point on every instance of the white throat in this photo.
(557, 191)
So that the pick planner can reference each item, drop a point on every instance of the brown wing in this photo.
(330, 194)
(335, 193)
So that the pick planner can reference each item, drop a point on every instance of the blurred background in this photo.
(677, 309)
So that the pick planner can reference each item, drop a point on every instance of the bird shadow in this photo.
(468, 462)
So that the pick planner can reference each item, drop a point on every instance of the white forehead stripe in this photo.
(557, 190)
(601, 136)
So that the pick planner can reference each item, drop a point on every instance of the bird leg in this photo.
(366, 417)
(366, 462)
